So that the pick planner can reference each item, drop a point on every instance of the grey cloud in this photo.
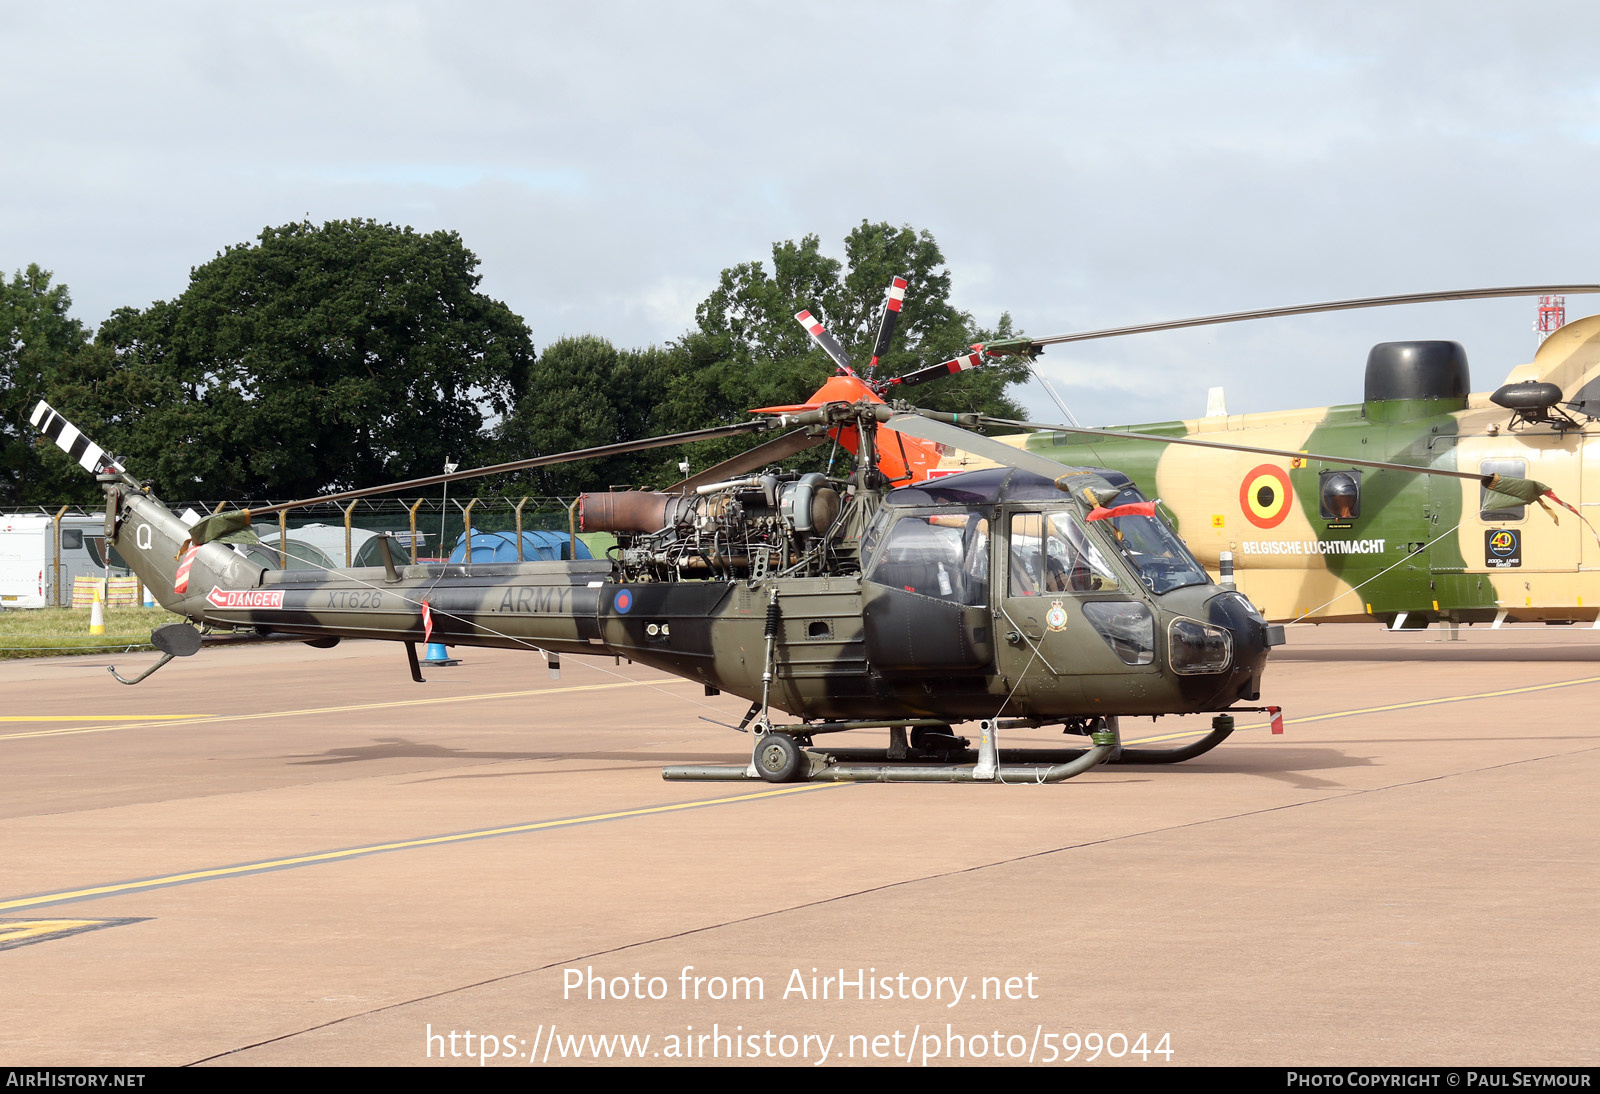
(1082, 165)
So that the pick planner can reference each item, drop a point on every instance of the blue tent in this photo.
(502, 547)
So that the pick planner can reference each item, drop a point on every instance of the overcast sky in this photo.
(1081, 165)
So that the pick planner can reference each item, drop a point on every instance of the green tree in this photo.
(317, 358)
(42, 345)
(583, 393)
(747, 350)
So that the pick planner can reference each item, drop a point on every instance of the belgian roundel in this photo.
(1265, 496)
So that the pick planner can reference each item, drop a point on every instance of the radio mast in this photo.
(1552, 314)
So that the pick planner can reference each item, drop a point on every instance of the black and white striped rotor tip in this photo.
(90, 456)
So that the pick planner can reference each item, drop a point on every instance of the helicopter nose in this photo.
(1252, 637)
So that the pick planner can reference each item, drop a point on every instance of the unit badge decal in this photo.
(1056, 617)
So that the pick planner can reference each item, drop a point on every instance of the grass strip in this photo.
(52, 632)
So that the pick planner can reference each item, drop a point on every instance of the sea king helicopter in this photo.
(1023, 596)
(1316, 528)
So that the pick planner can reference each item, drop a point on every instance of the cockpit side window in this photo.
(1051, 554)
(1027, 554)
(942, 555)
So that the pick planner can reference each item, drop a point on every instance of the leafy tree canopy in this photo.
(583, 393)
(39, 344)
(317, 358)
(355, 353)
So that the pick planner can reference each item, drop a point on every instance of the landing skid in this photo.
(781, 755)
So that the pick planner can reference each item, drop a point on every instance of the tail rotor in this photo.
(88, 455)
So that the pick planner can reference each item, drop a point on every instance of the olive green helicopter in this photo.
(1026, 595)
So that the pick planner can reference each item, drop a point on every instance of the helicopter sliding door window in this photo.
(1511, 469)
(1051, 554)
(941, 555)
(1339, 495)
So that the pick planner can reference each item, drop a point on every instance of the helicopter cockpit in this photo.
(1001, 578)
(940, 544)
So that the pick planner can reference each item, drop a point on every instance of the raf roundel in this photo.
(1265, 496)
(623, 601)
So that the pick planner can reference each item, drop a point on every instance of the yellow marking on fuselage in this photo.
(213, 718)
(397, 845)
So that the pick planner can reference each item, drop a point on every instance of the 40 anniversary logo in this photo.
(1502, 548)
(1265, 495)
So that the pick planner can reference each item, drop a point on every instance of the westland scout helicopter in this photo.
(1023, 596)
(1026, 595)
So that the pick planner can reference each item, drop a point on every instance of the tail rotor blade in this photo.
(829, 344)
(892, 303)
(90, 456)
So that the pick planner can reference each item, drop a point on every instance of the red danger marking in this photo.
(244, 598)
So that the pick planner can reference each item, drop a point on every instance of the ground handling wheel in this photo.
(937, 742)
(779, 759)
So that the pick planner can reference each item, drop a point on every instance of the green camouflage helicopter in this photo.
(1024, 596)
(1317, 529)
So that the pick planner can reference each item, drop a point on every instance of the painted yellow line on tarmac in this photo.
(291, 862)
(96, 717)
(15, 934)
(1379, 710)
(203, 719)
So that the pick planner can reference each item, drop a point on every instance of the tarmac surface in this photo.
(280, 855)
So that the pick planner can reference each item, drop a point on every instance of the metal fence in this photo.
(429, 527)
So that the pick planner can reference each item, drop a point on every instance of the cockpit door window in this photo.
(1050, 554)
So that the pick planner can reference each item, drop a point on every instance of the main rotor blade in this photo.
(1309, 309)
(953, 436)
(762, 454)
(943, 368)
(1118, 435)
(893, 300)
(620, 449)
(830, 345)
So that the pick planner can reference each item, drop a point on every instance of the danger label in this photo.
(244, 598)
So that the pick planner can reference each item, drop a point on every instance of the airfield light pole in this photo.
(1552, 315)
